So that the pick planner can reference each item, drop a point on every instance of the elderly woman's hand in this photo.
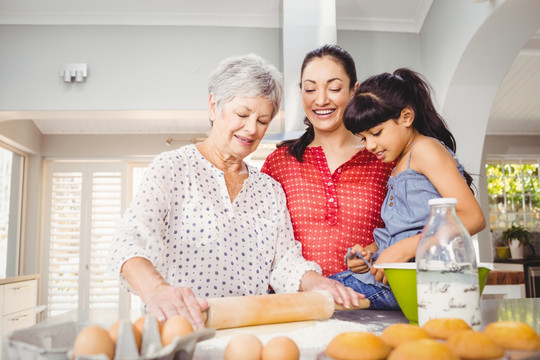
(170, 301)
(160, 298)
(345, 296)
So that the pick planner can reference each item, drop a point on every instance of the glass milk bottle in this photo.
(446, 269)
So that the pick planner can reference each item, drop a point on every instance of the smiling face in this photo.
(326, 92)
(240, 127)
(390, 139)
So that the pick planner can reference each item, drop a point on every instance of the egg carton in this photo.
(55, 342)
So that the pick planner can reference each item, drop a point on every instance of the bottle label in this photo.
(443, 294)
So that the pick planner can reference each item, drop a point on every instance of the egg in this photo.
(137, 335)
(174, 327)
(139, 324)
(93, 340)
(243, 347)
(280, 348)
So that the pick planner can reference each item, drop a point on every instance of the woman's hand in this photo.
(170, 301)
(345, 296)
(160, 298)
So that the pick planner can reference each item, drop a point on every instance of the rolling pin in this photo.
(238, 311)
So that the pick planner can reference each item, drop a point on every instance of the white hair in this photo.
(246, 76)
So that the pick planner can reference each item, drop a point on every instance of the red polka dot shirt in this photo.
(331, 212)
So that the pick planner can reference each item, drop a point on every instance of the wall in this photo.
(129, 67)
(165, 68)
(22, 134)
(153, 67)
(135, 68)
(511, 145)
(375, 52)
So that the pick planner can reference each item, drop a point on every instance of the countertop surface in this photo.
(312, 337)
(18, 279)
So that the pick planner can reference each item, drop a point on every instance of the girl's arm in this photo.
(432, 159)
(402, 251)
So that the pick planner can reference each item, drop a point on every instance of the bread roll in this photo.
(396, 334)
(357, 345)
(473, 345)
(423, 349)
(443, 328)
(513, 335)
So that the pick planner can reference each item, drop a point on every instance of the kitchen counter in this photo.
(11, 280)
(529, 264)
(313, 336)
(524, 310)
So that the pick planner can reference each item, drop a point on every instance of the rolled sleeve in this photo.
(290, 265)
(140, 227)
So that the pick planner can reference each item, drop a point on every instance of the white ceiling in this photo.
(517, 99)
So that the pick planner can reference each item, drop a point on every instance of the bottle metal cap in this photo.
(442, 201)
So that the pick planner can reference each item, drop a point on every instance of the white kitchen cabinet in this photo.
(18, 301)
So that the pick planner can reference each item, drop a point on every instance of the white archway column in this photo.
(481, 70)
(307, 24)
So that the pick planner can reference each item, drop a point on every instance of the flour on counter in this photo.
(311, 337)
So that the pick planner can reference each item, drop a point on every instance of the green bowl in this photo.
(402, 279)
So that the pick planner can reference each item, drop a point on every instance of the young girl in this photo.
(395, 117)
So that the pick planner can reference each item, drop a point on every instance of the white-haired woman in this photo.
(204, 223)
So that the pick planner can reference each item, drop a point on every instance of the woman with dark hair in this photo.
(394, 115)
(334, 187)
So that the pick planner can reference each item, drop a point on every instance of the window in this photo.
(85, 200)
(12, 164)
(514, 193)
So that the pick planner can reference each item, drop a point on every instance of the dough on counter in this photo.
(423, 349)
(443, 328)
(513, 335)
(396, 334)
(473, 345)
(357, 345)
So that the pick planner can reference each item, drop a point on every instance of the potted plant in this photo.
(517, 237)
(502, 250)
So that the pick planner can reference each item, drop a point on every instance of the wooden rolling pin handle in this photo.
(362, 304)
(238, 311)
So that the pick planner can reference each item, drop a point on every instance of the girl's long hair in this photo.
(297, 147)
(382, 97)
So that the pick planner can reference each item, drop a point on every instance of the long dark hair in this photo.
(297, 147)
(382, 97)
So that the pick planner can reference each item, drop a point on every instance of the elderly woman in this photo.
(204, 223)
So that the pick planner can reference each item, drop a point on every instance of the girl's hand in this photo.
(355, 259)
(402, 251)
